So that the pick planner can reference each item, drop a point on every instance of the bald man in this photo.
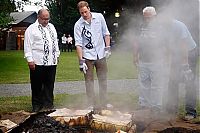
(41, 52)
(149, 57)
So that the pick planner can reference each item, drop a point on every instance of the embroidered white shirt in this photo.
(90, 36)
(41, 44)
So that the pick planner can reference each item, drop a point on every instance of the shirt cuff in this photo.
(29, 59)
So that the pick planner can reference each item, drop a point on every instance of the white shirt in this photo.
(69, 40)
(90, 36)
(64, 39)
(41, 45)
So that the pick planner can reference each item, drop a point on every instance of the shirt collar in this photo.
(37, 23)
(93, 17)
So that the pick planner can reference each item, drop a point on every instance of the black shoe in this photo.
(36, 109)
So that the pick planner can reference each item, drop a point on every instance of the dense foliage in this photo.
(63, 15)
(6, 7)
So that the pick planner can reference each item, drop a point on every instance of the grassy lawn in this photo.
(14, 68)
(123, 101)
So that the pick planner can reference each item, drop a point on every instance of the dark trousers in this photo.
(101, 70)
(173, 89)
(176, 77)
(192, 86)
(42, 85)
(69, 47)
(63, 47)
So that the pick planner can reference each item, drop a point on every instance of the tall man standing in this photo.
(150, 56)
(41, 51)
(92, 41)
(182, 69)
(64, 43)
(69, 43)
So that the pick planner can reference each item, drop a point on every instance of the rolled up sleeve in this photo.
(77, 35)
(27, 46)
(104, 26)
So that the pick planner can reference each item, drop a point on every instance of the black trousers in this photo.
(63, 47)
(42, 85)
(69, 47)
(190, 86)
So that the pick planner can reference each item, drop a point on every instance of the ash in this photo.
(41, 123)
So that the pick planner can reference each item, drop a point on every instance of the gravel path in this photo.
(70, 87)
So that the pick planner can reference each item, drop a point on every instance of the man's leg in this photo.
(101, 70)
(190, 99)
(157, 86)
(191, 86)
(144, 86)
(173, 91)
(68, 47)
(65, 47)
(62, 47)
(71, 47)
(89, 83)
(50, 72)
(36, 77)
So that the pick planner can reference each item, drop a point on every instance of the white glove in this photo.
(82, 66)
(187, 73)
(107, 52)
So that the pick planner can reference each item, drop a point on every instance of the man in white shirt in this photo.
(69, 42)
(41, 51)
(92, 41)
(64, 43)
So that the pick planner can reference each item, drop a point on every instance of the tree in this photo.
(63, 15)
(6, 7)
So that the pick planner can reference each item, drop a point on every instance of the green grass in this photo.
(14, 67)
(123, 101)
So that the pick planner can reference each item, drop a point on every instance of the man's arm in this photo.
(107, 40)
(79, 52)
(186, 70)
(28, 49)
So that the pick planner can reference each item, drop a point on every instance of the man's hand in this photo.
(187, 72)
(107, 52)
(83, 67)
(31, 65)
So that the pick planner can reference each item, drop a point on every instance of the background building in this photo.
(13, 38)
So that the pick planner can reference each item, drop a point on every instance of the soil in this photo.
(145, 120)
(154, 122)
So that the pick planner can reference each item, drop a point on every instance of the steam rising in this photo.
(182, 10)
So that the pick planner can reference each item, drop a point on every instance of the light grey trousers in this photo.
(153, 80)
